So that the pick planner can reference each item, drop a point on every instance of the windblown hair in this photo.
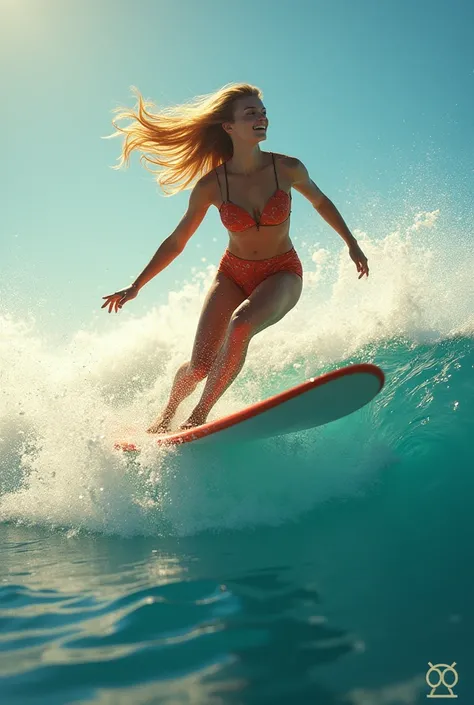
(187, 140)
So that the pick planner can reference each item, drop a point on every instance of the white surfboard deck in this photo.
(315, 402)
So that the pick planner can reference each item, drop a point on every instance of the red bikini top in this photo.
(276, 211)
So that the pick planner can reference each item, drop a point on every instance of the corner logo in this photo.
(435, 677)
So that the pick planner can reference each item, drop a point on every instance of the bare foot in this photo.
(196, 419)
(162, 424)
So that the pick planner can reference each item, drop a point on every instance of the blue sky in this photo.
(376, 97)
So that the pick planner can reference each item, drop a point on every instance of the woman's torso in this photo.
(252, 196)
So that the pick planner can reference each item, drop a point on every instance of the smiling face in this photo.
(250, 115)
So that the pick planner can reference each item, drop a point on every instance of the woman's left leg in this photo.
(268, 303)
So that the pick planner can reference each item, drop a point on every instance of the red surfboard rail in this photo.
(212, 427)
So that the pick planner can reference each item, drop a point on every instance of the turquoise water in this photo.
(324, 567)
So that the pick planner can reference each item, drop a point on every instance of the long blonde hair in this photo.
(187, 140)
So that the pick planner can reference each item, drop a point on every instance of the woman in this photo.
(259, 279)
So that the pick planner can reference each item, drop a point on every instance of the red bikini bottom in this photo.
(249, 273)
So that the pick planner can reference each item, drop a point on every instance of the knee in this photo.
(241, 323)
(199, 370)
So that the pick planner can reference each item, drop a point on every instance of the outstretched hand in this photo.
(117, 300)
(359, 259)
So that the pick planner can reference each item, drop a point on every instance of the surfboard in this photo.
(315, 402)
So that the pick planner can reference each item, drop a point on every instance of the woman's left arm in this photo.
(302, 182)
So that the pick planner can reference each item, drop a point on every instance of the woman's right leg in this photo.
(221, 301)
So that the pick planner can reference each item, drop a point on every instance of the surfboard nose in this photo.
(312, 403)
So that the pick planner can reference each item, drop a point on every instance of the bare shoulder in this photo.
(299, 178)
(202, 194)
(207, 188)
(291, 165)
(205, 182)
(285, 160)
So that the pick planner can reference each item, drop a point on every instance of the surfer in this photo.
(259, 280)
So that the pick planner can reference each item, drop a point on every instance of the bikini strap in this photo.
(226, 182)
(274, 168)
(217, 177)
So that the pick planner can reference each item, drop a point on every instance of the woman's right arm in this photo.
(199, 202)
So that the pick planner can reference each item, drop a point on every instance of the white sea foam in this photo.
(62, 409)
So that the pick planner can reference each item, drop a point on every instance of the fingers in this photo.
(360, 261)
(107, 303)
(122, 299)
(362, 267)
(114, 302)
